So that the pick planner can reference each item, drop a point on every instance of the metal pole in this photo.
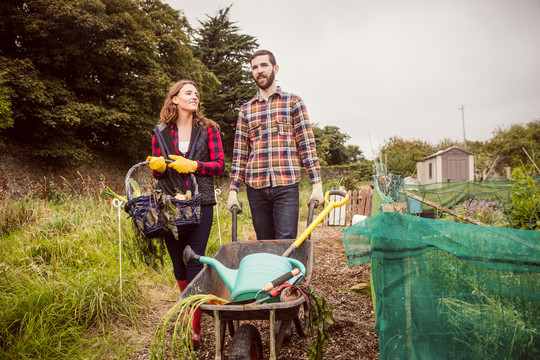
(118, 204)
(462, 108)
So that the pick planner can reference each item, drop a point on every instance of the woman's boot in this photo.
(196, 325)
(182, 284)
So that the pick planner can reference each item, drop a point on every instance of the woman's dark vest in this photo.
(172, 181)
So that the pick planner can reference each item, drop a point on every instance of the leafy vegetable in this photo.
(168, 213)
(136, 188)
(320, 314)
(181, 315)
(108, 191)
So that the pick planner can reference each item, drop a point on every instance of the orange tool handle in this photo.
(280, 280)
(276, 291)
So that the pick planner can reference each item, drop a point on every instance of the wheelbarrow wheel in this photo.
(246, 344)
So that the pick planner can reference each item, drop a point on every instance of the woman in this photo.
(181, 120)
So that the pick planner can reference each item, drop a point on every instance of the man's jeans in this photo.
(274, 211)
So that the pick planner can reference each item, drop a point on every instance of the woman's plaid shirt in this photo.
(213, 167)
(273, 138)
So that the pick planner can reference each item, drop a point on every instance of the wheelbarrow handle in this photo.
(310, 215)
(234, 225)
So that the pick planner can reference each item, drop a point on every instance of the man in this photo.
(273, 138)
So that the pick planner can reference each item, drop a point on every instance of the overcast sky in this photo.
(383, 68)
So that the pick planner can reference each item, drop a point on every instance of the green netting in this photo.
(448, 290)
(493, 203)
(453, 193)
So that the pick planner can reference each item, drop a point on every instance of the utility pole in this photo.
(462, 108)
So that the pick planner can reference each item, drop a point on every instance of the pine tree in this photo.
(225, 52)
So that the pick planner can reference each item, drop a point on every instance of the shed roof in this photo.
(440, 152)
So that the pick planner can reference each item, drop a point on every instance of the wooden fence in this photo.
(359, 204)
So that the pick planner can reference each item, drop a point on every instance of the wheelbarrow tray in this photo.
(208, 280)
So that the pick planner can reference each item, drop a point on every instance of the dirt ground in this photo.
(351, 336)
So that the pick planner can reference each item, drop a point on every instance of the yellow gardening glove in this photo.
(316, 195)
(183, 165)
(157, 163)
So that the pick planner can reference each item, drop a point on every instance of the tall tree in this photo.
(512, 144)
(401, 155)
(226, 52)
(331, 147)
(354, 154)
(90, 75)
(322, 143)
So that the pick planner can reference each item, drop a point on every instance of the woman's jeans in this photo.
(197, 240)
(274, 211)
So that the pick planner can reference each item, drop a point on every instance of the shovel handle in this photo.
(329, 206)
(280, 280)
(339, 193)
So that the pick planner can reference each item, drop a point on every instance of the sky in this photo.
(415, 69)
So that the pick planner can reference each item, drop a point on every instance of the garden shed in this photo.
(452, 164)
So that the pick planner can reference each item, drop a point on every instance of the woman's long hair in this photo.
(169, 111)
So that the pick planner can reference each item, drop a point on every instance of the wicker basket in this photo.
(147, 210)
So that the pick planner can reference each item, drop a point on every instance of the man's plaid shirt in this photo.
(271, 136)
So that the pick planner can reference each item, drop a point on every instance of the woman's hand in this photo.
(183, 165)
(157, 163)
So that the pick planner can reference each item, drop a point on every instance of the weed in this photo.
(371, 315)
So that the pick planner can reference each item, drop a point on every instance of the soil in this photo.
(352, 335)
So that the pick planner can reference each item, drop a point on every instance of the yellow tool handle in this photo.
(322, 215)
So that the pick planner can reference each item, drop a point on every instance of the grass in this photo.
(59, 282)
(490, 314)
(60, 290)
(492, 328)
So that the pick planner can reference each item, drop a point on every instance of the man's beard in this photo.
(264, 86)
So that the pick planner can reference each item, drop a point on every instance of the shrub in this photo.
(524, 206)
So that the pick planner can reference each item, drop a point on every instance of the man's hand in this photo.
(157, 163)
(233, 201)
(317, 195)
(183, 165)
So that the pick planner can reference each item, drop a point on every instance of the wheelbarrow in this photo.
(246, 340)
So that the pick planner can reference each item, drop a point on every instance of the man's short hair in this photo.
(264, 52)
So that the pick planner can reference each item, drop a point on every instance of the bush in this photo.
(524, 206)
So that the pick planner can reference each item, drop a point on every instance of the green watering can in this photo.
(253, 273)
